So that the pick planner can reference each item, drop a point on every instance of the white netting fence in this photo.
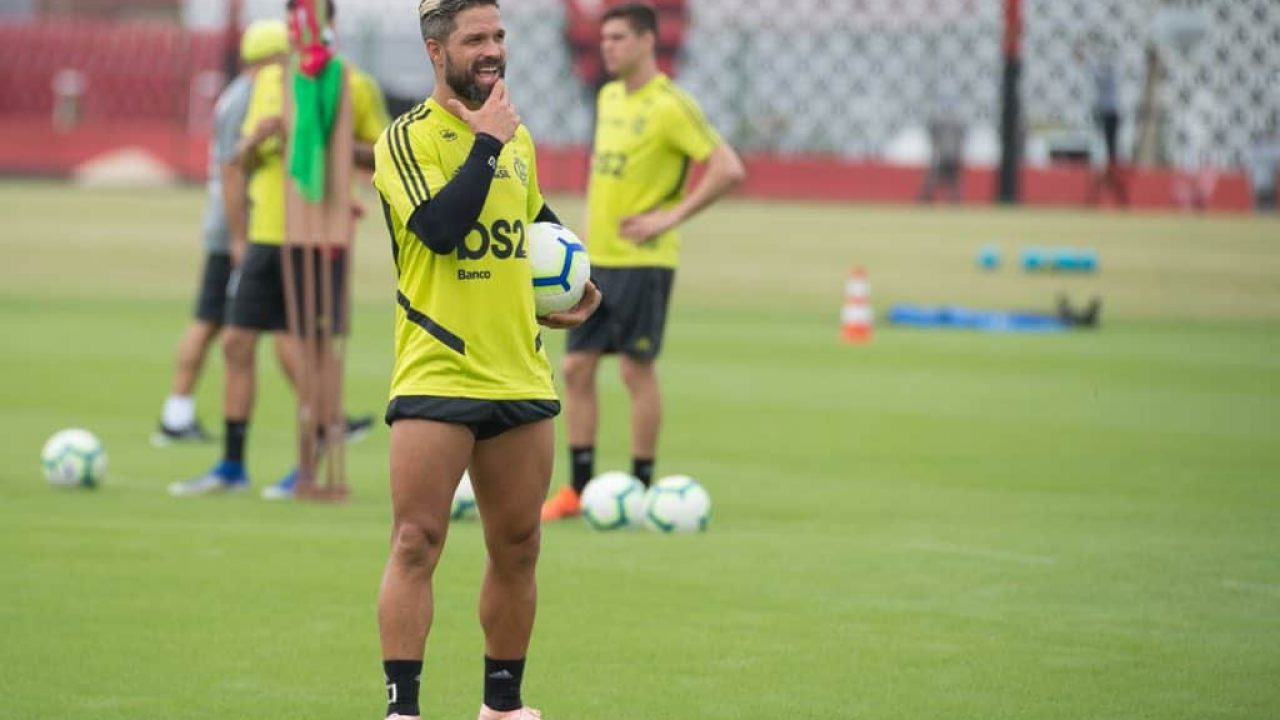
(860, 78)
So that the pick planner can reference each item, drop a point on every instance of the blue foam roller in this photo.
(1089, 260)
(989, 257)
(1034, 259)
(1062, 259)
(953, 316)
(1074, 260)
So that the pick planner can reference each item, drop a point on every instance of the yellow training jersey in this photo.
(266, 186)
(644, 143)
(466, 325)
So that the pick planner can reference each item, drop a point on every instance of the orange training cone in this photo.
(855, 316)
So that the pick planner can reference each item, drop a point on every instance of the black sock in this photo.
(233, 442)
(583, 461)
(403, 678)
(643, 470)
(502, 683)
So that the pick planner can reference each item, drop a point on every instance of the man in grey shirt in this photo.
(1104, 74)
(947, 136)
(264, 42)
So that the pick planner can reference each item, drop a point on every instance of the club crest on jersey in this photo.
(522, 170)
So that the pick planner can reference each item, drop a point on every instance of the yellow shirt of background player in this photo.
(266, 186)
(466, 326)
(644, 144)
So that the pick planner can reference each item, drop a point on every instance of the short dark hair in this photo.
(642, 17)
(439, 18)
(333, 8)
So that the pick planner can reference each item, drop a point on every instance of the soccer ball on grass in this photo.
(74, 458)
(464, 500)
(612, 501)
(677, 503)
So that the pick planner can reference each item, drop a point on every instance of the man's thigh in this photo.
(427, 461)
(511, 473)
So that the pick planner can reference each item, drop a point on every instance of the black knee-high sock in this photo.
(502, 683)
(233, 440)
(403, 679)
(583, 461)
(642, 468)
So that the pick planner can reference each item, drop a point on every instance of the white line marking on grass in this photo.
(1264, 588)
(989, 554)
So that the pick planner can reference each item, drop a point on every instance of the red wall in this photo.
(30, 146)
(835, 179)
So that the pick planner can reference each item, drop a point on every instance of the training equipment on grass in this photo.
(1034, 259)
(988, 257)
(1083, 260)
(74, 458)
(954, 317)
(1074, 259)
(855, 315)
(464, 500)
(560, 267)
(307, 29)
(677, 503)
(612, 501)
(319, 221)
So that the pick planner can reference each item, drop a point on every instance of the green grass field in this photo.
(937, 525)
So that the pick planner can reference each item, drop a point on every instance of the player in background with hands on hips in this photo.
(648, 131)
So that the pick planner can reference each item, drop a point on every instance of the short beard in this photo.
(463, 81)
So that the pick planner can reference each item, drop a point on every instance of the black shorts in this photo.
(211, 300)
(632, 315)
(484, 418)
(257, 290)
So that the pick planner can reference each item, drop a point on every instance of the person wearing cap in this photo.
(265, 42)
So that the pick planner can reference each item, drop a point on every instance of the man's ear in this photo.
(436, 51)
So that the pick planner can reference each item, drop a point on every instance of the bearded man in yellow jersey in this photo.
(648, 131)
(472, 384)
(257, 302)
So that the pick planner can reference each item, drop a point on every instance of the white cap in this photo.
(426, 7)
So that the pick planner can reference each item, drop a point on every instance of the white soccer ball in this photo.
(612, 501)
(464, 500)
(74, 458)
(560, 267)
(677, 503)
